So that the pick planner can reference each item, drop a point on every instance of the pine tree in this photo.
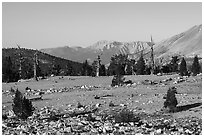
(7, 70)
(69, 70)
(86, 69)
(195, 66)
(94, 67)
(22, 107)
(174, 64)
(140, 66)
(56, 69)
(171, 101)
(183, 69)
(102, 70)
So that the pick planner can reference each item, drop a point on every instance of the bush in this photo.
(117, 80)
(22, 107)
(171, 101)
(125, 115)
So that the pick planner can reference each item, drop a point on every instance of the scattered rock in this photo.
(111, 104)
(96, 97)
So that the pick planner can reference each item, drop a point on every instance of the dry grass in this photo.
(142, 98)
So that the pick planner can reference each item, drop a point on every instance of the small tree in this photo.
(174, 64)
(129, 69)
(7, 70)
(22, 107)
(183, 69)
(171, 101)
(102, 70)
(140, 66)
(195, 66)
(117, 80)
(86, 69)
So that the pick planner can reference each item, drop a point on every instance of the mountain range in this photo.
(188, 44)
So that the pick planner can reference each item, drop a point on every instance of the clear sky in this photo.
(46, 25)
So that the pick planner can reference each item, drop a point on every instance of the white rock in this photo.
(180, 129)
(108, 127)
(122, 105)
(98, 105)
(166, 121)
(132, 123)
(158, 131)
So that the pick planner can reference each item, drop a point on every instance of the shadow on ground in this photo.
(187, 107)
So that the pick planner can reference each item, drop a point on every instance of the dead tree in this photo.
(151, 44)
(20, 61)
(98, 66)
(35, 66)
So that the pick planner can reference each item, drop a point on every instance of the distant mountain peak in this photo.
(99, 45)
(187, 43)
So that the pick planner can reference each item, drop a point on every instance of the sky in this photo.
(48, 25)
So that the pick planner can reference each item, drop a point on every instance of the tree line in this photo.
(119, 65)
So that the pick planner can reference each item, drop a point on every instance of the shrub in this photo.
(111, 104)
(90, 118)
(79, 105)
(171, 100)
(12, 91)
(125, 115)
(22, 107)
(117, 80)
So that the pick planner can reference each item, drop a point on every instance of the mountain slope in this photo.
(46, 62)
(187, 43)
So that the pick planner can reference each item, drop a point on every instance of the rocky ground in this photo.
(59, 113)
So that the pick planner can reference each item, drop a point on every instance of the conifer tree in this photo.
(86, 69)
(183, 69)
(140, 66)
(22, 107)
(171, 101)
(7, 70)
(102, 70)
(195, 66)
(174, 64)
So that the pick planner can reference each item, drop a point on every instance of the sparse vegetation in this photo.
(134, 108)
(125, 115)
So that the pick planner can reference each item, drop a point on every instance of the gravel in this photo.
(50, 121)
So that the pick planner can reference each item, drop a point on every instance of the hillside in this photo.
(188, 43)
(46, 62)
